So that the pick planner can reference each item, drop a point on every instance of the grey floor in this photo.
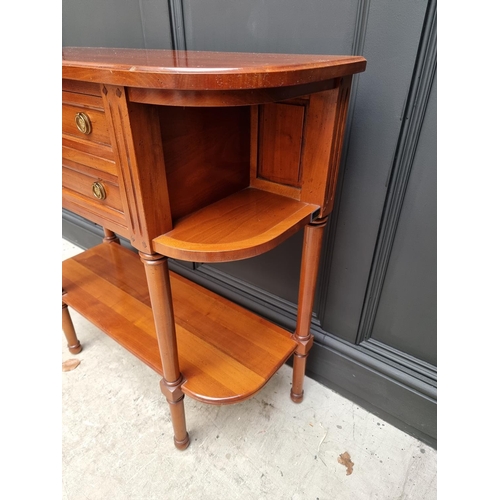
(117, 439)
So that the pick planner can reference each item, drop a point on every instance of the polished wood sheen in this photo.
(160, 292)
(201, 157)
(92, 107)
(81, 87)
(110, 237)
(206, 153)
(81, 182)
(228, 98)
(192, 70)
(311, 253)
(280, 143)
(136, 139)
(74, 345)
(89, 154)
(242, 225)
(226, 353)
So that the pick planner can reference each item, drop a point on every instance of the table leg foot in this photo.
(182, 445)
(299, 371)
(181, 436)
(74, 345)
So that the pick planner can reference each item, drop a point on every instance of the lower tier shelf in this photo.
(226, 353)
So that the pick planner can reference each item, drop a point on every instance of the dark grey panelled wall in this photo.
(375, 310)
(116, 23)
(406, 315)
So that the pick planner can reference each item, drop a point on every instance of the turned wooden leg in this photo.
(74, 345)
(161, 303)
(110, 237)
(311, 252)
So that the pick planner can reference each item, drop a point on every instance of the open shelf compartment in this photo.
(226, 353)
(242, 225)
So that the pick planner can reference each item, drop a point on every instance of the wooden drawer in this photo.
(88, 159)
(89, 106)
(96, 156)
(94, 149)
(78, 197)
(81, 181)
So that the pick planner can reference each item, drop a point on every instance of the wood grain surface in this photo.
(245, 224)
(206, 153)
(226, 353)
(199, 70)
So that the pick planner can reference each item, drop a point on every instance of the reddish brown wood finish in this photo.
(90, 155)
(74, 346)
(179, 423)
(110, 237)
(255, 181)
(206, 154)
(311, 252)
(205, 98)
(94, 210)
(107, 285)
(81, 183)
(81, 87)
(318, 147)
(280, 143)
(240, 226)
(206, 157)
(92, 107)
(225, 353)
(161, 304)
(337, 142)
(136, 140)
(191, 70)
(89, 158)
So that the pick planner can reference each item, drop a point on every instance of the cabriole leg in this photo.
(161, 303)
(311, 252)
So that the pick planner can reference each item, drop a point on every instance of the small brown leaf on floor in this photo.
(70, 364)
(345, 459)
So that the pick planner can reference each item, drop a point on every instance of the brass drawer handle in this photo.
(98, 190)
(83, 123)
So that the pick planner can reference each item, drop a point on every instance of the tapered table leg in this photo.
(74, 345)
(161, 303)
(311, 252)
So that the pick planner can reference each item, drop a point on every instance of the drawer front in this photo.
(97, 157)
(89, 174)
(83, 117)
(92, 149)
(79, 196)
(98, 189)
(79, 87)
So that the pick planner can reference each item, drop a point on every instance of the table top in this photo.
(203, 70)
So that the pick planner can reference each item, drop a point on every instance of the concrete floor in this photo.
(117, 439)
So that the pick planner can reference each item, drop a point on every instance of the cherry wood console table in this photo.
(203, 157)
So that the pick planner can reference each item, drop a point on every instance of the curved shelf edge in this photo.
(236, 364)
(245, 224)
(229, 399)
(226, 353)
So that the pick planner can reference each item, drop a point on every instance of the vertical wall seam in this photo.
(358, 44)
(177, 29)
(414, 114)
(143, 25)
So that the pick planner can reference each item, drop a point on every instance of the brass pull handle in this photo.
(83, 123)
(98, 190)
